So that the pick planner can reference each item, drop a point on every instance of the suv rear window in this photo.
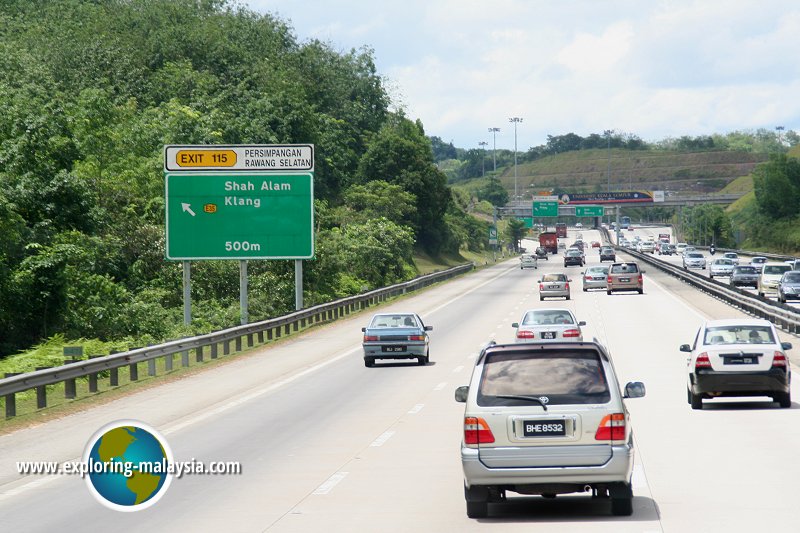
(563, 376)
(624, 268)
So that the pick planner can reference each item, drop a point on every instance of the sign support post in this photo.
(187, 293)
(298, 284)
(243, 300)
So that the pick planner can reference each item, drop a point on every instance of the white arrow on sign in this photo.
(188, 209)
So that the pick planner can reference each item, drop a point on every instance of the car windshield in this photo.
(539, 317)
(745, 270)
(393, 321)
(739, 335)
(597, 270)
(758, 260)
(776, 269)
(693, 255)
(791, 277)
(554, 277)
(563, 377)
(731, 255)
(573, 251)
(723, 262)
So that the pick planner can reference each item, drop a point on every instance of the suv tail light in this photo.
(572, 333)
(525, 334)
(566, 286)
(368, 338)
(779, 360)
(640, 279)
(612, 427)
(702, 361)
(608, 279)
(476, 431)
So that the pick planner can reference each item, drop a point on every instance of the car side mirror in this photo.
(583, 273)
(515, 324)
(582, 323)
(685, 348)
(786, 345)
(364, 330)
(570, 280)
(461, 393)
(428, 328)
(635, 389)
(644, 271)
(538, 281)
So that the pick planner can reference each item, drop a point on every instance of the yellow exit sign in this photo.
(205, 158)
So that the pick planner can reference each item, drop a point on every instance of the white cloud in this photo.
(655, 69)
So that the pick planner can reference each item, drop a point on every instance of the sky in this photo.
(651, 68)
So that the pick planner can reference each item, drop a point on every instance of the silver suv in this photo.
(546, 419)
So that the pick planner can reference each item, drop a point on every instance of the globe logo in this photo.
(128, 465)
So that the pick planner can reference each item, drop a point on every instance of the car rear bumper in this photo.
(617, 469)
(708, 381)
(411, 351)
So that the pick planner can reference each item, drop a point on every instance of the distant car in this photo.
(680, 247)
(733, 256)
(624, 277)
(758, 261)
(554, 286)
(562, 246)
(737, 357)
(689, 249)
(573, 256)
(595, 244)
(745, 276)
(607, 253)
(694, 260)
(771, 275)
(541, 253)
(595, 278)
(546, 419)
(528, 261)
(720, 267)
(578, 225)
(647, 247)
(396, 336)
(548, 325)
(666, 249)
(789, 286)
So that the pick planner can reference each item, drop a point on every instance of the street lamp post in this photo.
(780, 129)
(515, 120)
(483, 144)
(494, 131)
(608, 133)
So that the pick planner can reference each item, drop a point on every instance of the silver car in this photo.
(548, 419)
(396, 336)
(595, 277)
(745, 276)
(758, 262)
(528, 261)
(789, 286)
(720, 267)
(548, 325)
(554, 286)
(694, 260)
(733, 256)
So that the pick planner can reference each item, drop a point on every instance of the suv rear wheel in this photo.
(477, 501)
(621, 499)
(784, 399)
(695, 400)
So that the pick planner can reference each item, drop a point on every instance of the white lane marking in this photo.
(473, 289)
(255, 394)
(682, 302)
(499, 326)
(329, 483)
(380, 441)
(440, 386)
(416, 409)
(457, 369)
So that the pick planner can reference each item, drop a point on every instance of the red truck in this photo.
(549, 241)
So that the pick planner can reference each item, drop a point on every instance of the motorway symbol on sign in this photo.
(239, 216)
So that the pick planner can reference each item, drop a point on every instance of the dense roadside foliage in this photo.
(90, 91)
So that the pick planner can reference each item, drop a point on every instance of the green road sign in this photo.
(239, 216)
(589, 210)
(492, 235)
(548, 208)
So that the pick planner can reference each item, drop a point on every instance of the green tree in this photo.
(777, 187)
(515, 231)
(494, 192)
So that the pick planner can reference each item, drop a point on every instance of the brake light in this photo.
(566, 285)
(779, 360)
(640, 279)
(612, 427)
(525, 334)
(608, 279)
(572, 333)
(476, 431)
(368, 338)
(588, 278)
(541, 286)
(416, 337)
(702, 361)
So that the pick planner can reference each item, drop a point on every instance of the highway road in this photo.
(327, 444)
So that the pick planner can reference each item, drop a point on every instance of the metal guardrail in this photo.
(783, 316)
(271, 329)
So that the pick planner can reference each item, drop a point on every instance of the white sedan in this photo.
(738, 357)
(721, 267)
(538, 325)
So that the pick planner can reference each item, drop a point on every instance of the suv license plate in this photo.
(624, 280)
(548, 334)
(544, 428)
(394, 348)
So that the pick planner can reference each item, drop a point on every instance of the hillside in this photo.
(587, 170)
